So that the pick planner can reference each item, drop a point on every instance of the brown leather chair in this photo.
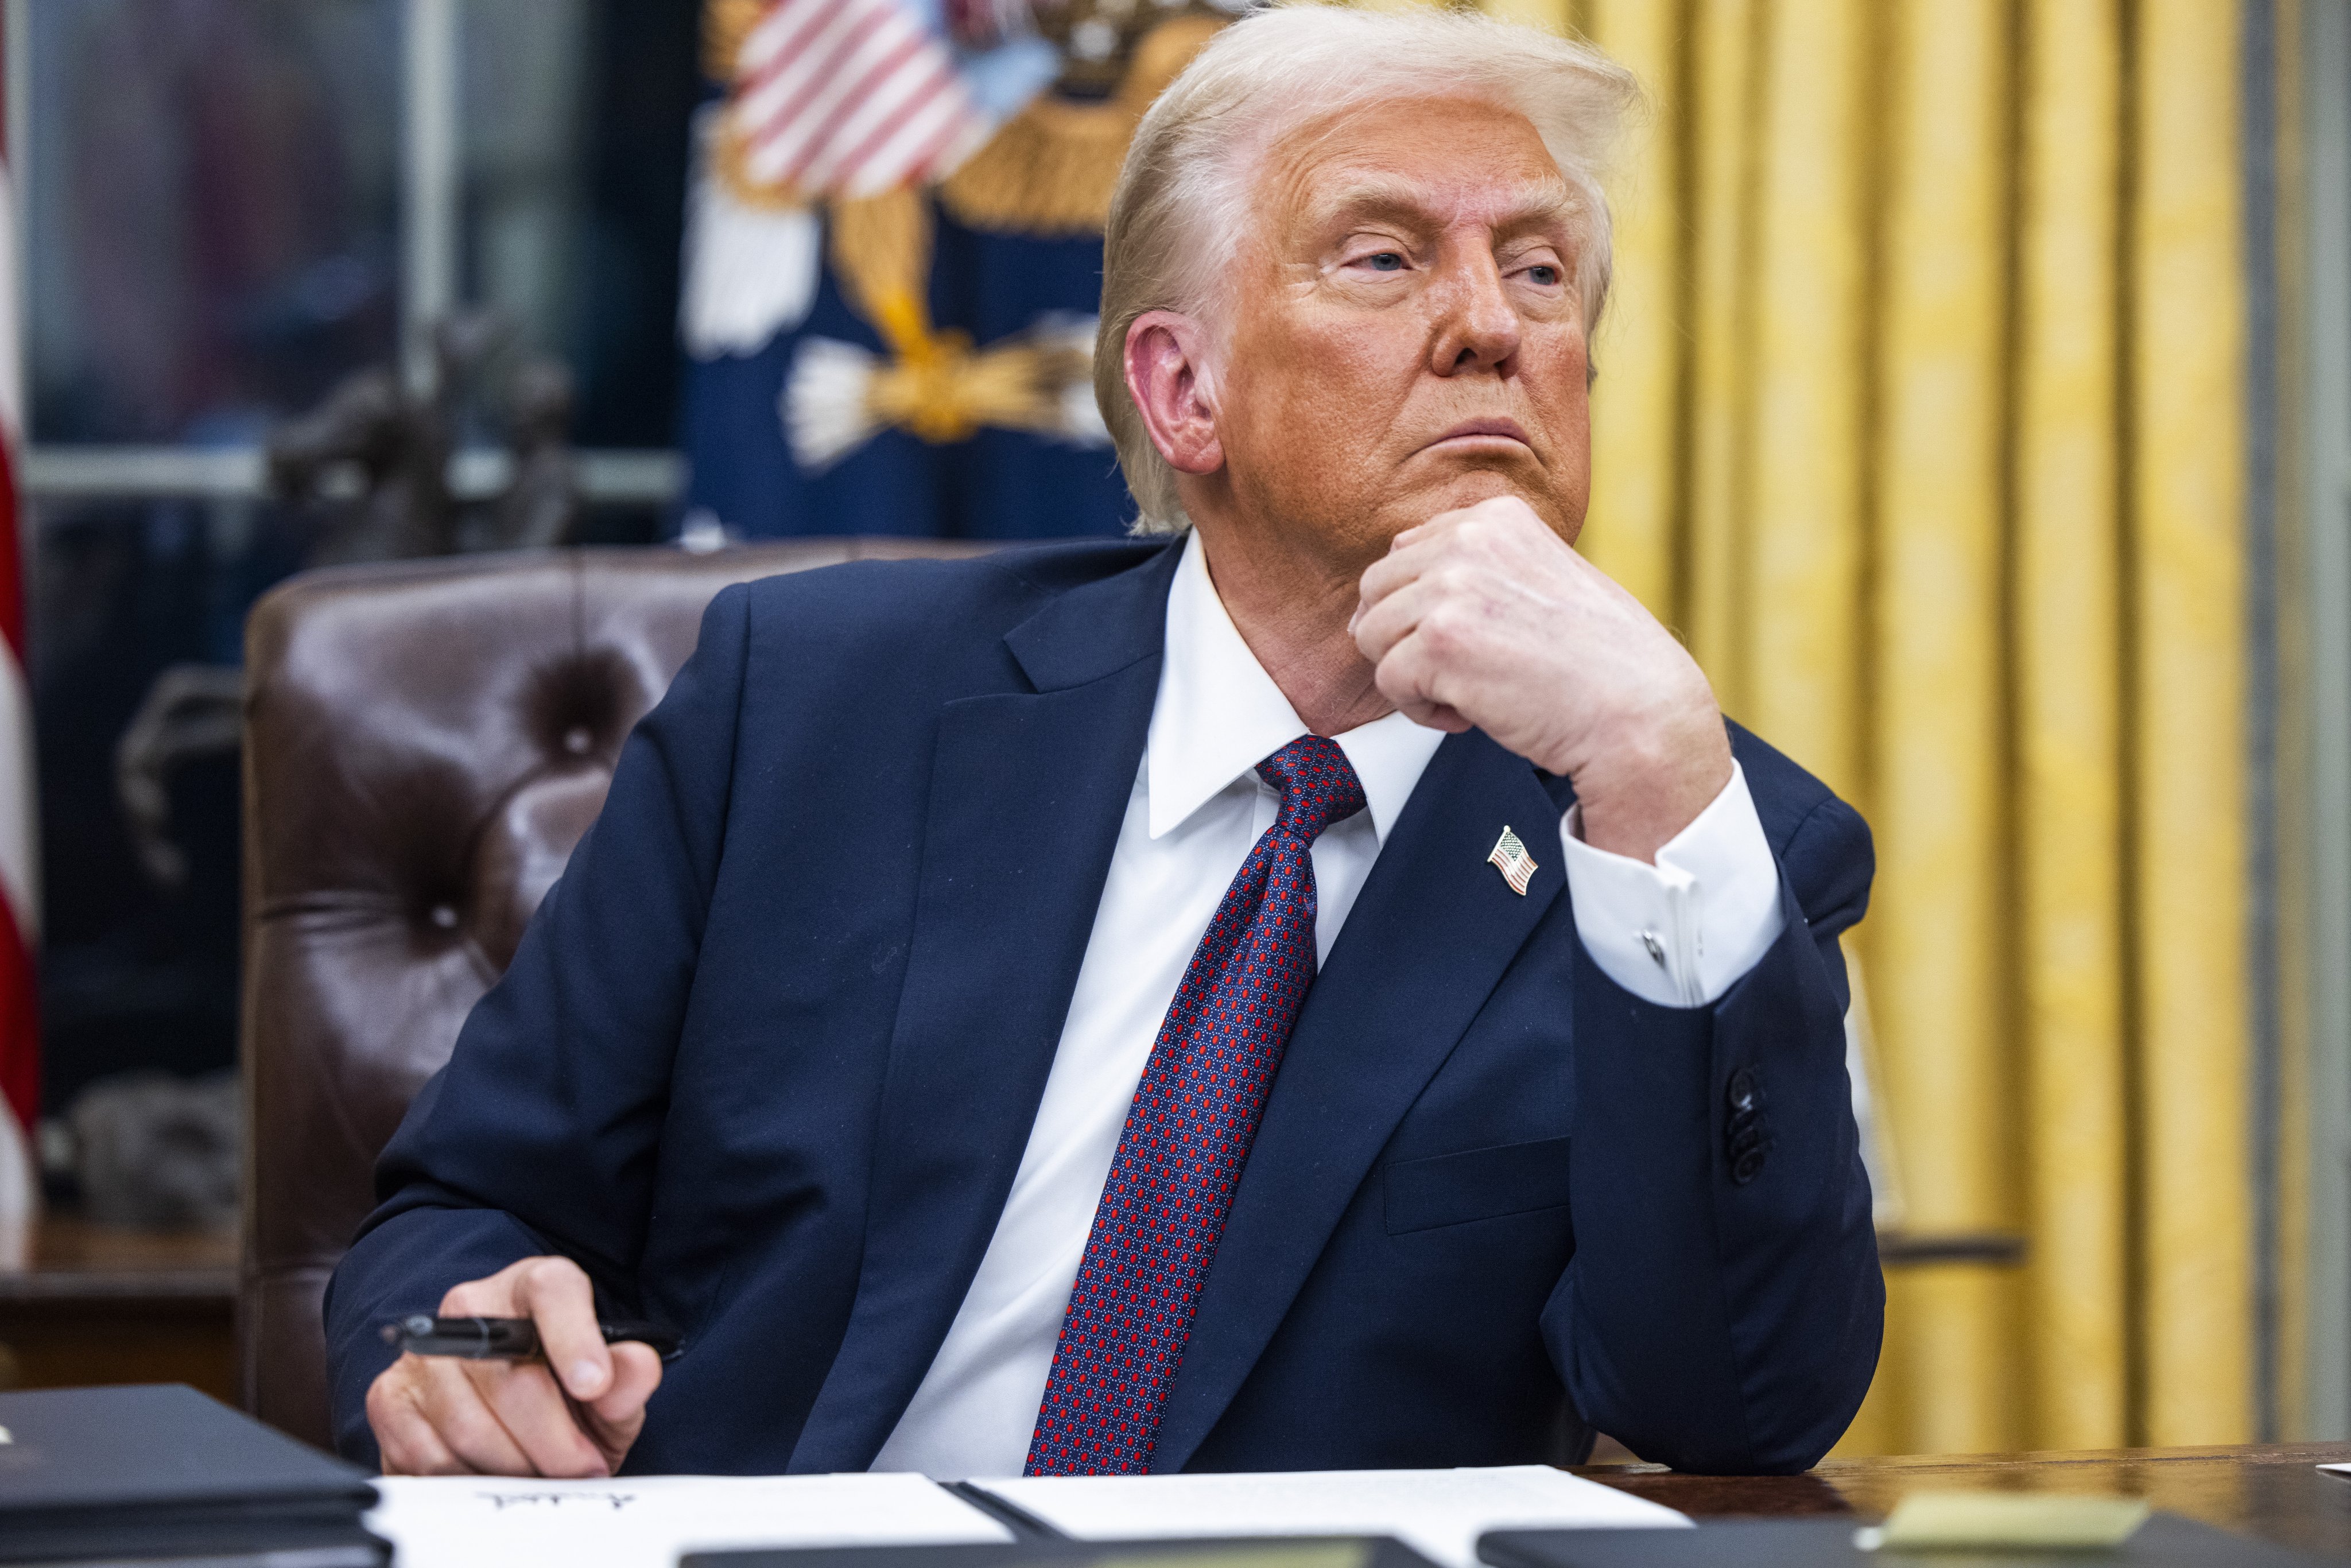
(424, 744)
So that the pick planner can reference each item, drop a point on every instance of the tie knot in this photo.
(1318, 786)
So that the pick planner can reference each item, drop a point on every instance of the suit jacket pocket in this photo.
(1477, 1184)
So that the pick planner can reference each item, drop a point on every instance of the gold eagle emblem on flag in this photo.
(857, 108)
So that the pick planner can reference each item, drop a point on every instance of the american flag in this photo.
(847, 98)
(1511, 857)
(20, 1038)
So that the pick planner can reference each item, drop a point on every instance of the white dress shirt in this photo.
(1677, 933)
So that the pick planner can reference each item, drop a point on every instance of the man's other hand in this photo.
(444, 1415)
(1485, 616)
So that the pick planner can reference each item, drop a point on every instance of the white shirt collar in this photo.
(1219, 714)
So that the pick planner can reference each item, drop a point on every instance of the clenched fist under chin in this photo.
(1484, 616)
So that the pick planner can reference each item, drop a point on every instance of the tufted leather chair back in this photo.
(424, 744)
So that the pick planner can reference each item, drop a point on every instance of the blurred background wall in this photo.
(1974, 398)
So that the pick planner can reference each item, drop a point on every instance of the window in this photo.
(227, 208)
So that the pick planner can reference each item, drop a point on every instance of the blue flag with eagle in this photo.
(893, 261)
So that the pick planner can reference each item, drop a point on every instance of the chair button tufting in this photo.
(577, 740)
(444, 916)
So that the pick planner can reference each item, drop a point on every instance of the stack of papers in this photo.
(1438, 1513)
(650, 1521)
(464, 1522)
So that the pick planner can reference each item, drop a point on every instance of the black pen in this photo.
(504, 1339)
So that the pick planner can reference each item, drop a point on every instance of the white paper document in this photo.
(648, 1522)
(1439, 1513)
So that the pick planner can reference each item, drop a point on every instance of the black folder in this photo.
(2165, 1540)
(160, 1473)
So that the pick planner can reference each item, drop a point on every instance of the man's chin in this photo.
(1457, 491)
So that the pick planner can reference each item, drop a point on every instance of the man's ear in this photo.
(1167, 376)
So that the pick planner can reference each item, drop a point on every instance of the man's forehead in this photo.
(1384, 160)
(1506, 202)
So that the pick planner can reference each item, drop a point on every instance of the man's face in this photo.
(1405, 331)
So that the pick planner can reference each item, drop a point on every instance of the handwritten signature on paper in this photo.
(502, 1500)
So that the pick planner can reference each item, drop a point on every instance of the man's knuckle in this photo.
(557, 1272)
(473, 1431)
(418, 1445)
(579, 1457)
(549, 1279)
(482, 1297)
(432, 1458)
(1451, 624)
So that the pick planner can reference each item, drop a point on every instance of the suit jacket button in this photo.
(1743, 1094)
(1749, 1165)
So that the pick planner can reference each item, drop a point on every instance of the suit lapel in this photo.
(1027, 791)
(1432, 932)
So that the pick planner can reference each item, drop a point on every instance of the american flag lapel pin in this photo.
(1511, 857)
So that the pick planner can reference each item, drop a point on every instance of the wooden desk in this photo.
(2272, 1491)
(92, 1303)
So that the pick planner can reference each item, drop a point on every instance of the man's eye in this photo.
(1385, 261)
(1543, 275)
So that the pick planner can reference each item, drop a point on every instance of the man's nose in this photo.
(1477, 326)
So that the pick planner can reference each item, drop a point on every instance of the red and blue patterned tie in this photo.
(1195, 1112)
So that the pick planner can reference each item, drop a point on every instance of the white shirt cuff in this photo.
(1681, 932)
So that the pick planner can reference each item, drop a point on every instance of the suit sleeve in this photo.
(1724, 1308)
(540, 1133)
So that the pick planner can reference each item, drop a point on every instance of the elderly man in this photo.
(1323, 989)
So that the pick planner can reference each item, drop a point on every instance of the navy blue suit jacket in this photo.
(766, 1059)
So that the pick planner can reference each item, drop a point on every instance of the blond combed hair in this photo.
(1183, 199)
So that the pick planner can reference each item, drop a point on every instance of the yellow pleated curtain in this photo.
(1920, 415)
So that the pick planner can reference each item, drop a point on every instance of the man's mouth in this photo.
(1483, 431)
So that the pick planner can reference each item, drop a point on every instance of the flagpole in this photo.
(20, 911)
(429, 192)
